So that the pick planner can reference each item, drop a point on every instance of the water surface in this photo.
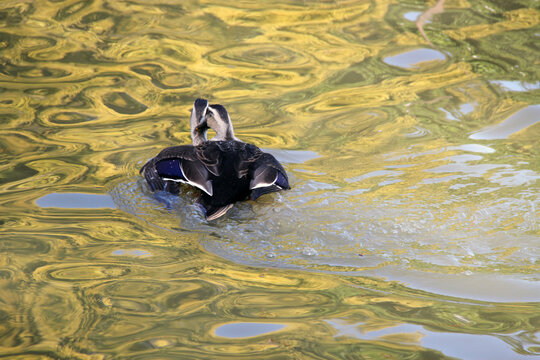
(409, 130)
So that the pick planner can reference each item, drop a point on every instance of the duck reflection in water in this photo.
(224, 169)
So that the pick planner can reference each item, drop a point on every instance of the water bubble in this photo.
(309, 251)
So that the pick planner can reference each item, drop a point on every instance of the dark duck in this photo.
(224, 169)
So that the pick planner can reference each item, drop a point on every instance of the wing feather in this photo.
(210, 155)
(197, 175)
(177, 164)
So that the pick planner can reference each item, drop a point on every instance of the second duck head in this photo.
(217, 118)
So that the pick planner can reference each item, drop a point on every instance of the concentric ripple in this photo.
(269, 56)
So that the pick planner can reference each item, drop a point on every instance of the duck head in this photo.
(198, 121)
(217, 118)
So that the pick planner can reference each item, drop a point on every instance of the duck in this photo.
(224, 169)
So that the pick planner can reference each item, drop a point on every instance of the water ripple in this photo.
(372, 123)
(81, 272)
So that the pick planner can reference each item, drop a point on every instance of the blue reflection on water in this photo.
(412, 15)
(243, 330)
(76, 201)
(515, 123)
(414, 57)
(459, 345)
(131, 252)
(516, 85)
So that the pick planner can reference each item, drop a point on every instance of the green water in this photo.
(410, 132)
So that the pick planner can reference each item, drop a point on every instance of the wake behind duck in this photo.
(224, 169)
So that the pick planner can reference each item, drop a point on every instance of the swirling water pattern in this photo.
(411, 231)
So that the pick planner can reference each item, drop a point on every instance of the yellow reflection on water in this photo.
(407, 233)
(515, 20)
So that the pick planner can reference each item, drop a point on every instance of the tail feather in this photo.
(214, 212)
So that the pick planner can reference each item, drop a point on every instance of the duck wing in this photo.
(177, 164)
(267, 175)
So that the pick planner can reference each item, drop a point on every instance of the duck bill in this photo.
(203, 126)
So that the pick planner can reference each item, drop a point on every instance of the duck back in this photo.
(226, 172)
(228, 163)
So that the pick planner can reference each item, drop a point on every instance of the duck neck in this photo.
(224, 131)
(227, 135)
(198, 137)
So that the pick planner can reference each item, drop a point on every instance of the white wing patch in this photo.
(209, 190)
(262, 184)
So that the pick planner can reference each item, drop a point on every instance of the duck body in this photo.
(226, 171)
